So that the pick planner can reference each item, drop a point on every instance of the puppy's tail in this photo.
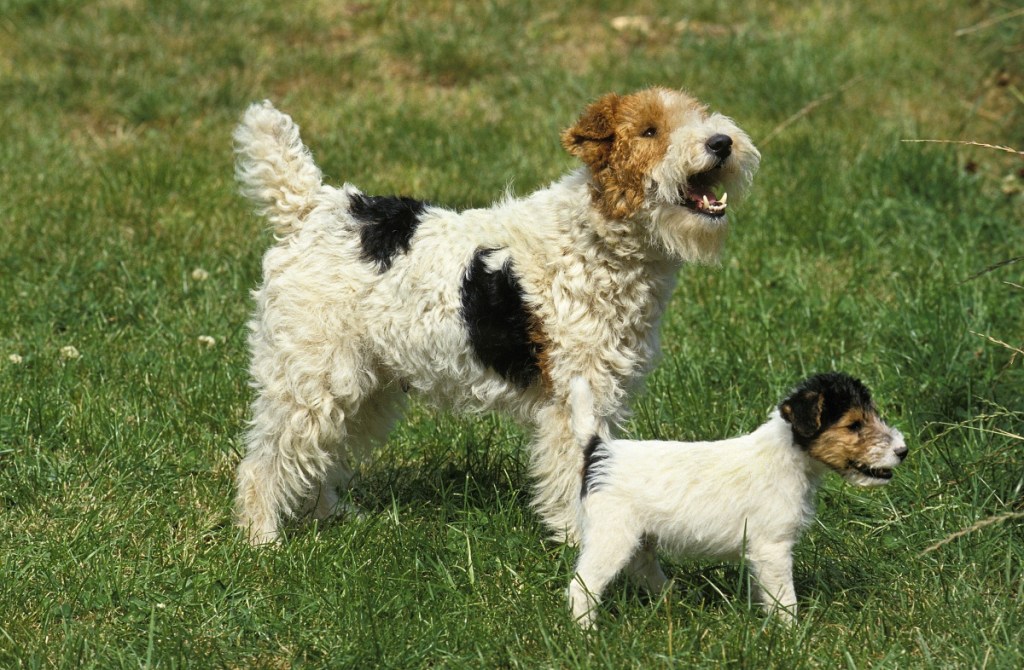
(585, 423)
(590, 432)
(274, 168)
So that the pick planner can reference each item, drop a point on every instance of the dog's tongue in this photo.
(698, 193)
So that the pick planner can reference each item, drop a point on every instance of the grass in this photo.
(123, 238)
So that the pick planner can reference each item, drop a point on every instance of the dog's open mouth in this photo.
(699, 194)
(874, 473)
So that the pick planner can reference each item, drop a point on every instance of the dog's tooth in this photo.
(707, 205)
(725, 196)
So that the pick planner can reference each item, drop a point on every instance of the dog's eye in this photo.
(855, 426)
(649, 132)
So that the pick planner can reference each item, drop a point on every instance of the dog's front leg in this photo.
(772, 566)
(556, 462)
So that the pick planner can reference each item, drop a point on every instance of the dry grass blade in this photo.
(1012, 348)
(978, 525)
(807, 109)
(998, 147)
(994, 266)
(981, 25)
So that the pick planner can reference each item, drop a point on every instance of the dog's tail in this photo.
(274, 168)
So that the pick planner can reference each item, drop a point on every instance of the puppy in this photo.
(749, 496)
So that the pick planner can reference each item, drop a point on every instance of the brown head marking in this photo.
(621, 139)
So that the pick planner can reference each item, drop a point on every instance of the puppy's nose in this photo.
(901, 452)
(720, 145)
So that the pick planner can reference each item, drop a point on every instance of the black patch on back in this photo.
(593, 454)
(498, 322)
(390, 223)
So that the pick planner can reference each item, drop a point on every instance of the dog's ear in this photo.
(591, 138)
(803, 412)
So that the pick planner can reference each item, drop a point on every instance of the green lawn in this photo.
(123, 238)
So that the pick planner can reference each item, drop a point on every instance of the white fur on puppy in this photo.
(748, 496)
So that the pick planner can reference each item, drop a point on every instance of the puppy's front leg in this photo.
(772, 566)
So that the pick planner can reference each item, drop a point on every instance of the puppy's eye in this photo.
(649, 132)
(855, 426)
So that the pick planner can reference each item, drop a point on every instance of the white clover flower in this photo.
(199, 274)
(15, 358)
(640, 24)
(69, 353)
(206, 340)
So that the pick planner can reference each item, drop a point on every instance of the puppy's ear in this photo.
(803, 412)
(592, 137)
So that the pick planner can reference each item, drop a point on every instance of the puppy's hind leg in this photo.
(607, 546)
(644, 568)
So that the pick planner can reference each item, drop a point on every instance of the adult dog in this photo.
(366, 297)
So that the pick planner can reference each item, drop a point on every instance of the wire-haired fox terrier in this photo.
(749, 496)
(365, 297)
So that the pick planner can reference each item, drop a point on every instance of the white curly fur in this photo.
(336, 341)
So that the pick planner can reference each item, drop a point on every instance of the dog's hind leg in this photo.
(312, 381)
(285, 460)
(366, 430)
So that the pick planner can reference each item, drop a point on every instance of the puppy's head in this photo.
(835, 421)
(661, 153)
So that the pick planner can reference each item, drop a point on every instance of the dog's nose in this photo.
(720, 145)
(901, 452)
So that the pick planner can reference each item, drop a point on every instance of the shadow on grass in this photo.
(442, 484)
(719, 588)
(479, 475)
